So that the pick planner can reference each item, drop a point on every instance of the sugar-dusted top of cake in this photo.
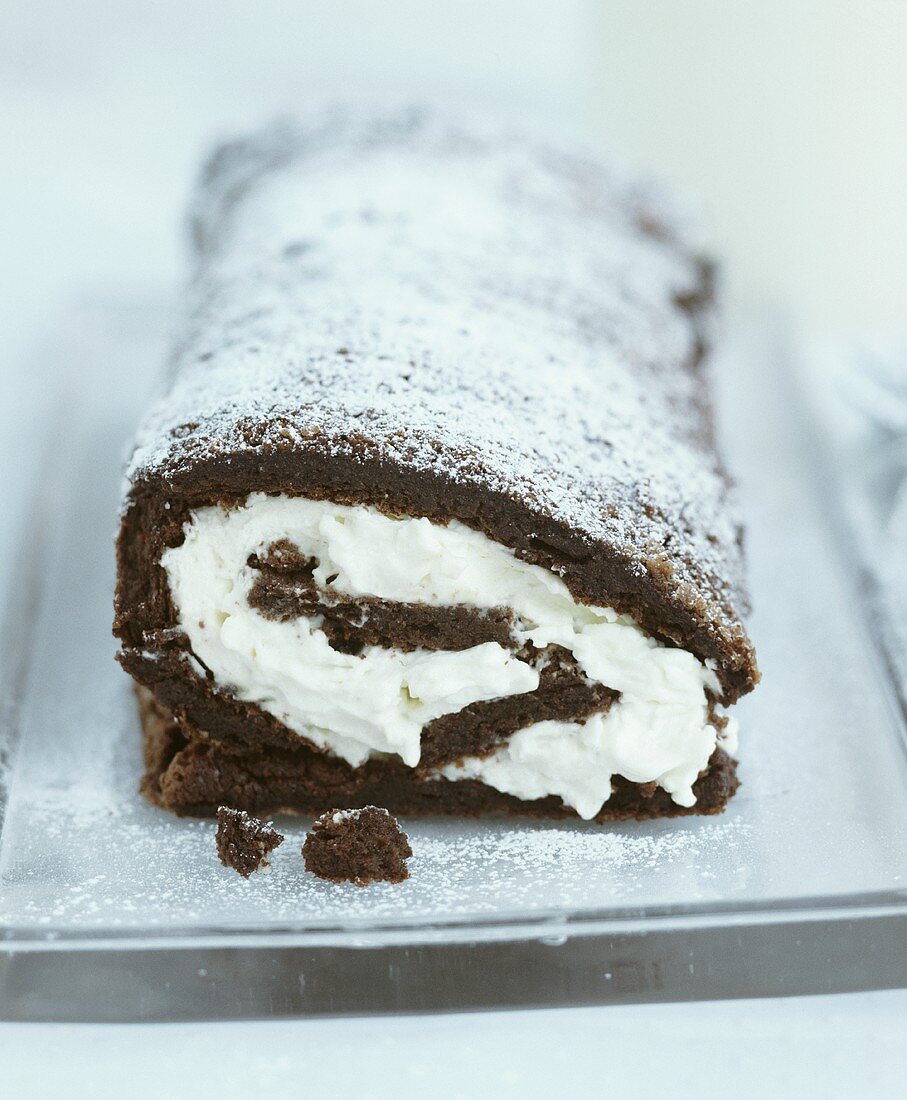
(474, 306)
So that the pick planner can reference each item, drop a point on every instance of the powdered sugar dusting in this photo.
(476, 307)
(345, 815)
(353, 815)
(154, 871)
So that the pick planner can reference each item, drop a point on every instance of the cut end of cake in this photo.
(243, 842)
(421, 524)
(361, 845)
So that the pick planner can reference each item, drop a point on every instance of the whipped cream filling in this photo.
(377, 701)
(644, 742)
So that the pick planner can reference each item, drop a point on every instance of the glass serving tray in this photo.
(110, 909)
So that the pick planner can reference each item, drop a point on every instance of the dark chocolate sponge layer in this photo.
(192, 776)
(286, 592)
(563, 693)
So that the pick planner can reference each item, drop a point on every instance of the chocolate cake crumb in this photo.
(361, 846)
(243, 842)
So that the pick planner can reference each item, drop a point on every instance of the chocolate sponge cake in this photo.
(432, 515)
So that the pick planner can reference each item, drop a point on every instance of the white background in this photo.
(825, 1047)
(786, 118)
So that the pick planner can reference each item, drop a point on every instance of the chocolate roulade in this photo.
(432, 515)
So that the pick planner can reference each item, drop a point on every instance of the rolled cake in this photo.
(432, 516)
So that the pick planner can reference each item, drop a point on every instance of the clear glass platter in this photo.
(110, 909)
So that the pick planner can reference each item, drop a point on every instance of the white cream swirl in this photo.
(378, 701)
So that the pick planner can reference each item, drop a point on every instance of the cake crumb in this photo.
(360, 845)
(243, 842)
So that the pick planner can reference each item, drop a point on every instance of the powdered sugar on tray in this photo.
(157, 872)
(339, 309)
